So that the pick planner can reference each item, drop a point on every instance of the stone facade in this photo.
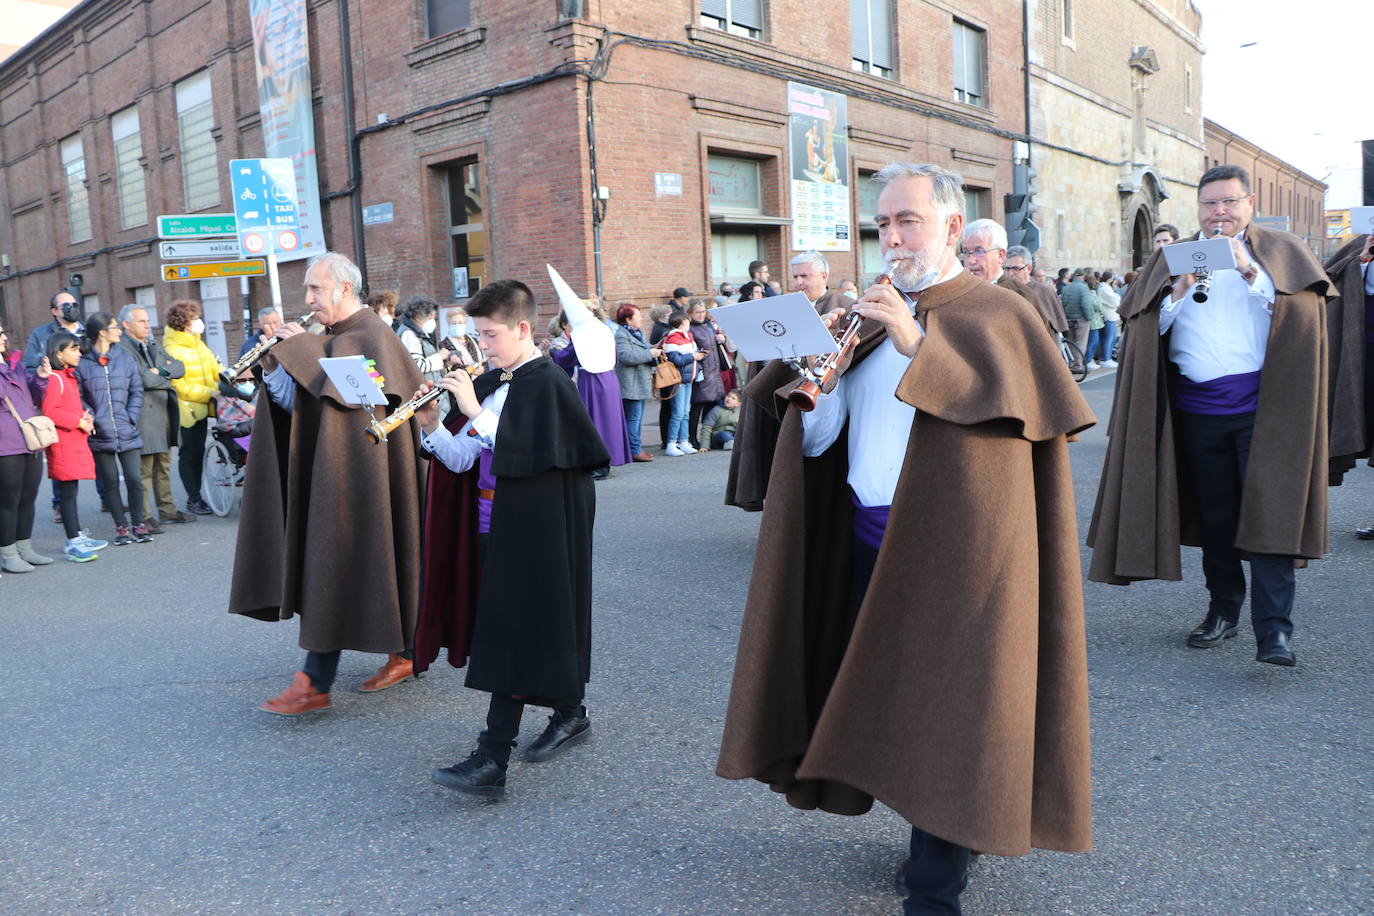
(1117, 124)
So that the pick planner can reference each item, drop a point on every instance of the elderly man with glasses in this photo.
(985, 254)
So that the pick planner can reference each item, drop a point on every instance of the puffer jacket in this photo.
(201, 381)
(112, 389)
(70, 458)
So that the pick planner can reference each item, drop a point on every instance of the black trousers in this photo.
(694, 415)
(130, 462)
(1215, 451)
(66, 493)
(191, 458)
(503, 724)
(665, 413)
(938, 872)
(19, 479)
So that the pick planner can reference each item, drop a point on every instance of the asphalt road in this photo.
(138, 778)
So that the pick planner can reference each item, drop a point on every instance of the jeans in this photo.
(129, 462)
(682, 407)
(191, 458)
(1108, 339)
(720, 437)
(634, 419)
(1090, 352)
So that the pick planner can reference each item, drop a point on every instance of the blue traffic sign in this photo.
(265, 205)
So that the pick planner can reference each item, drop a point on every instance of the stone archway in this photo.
(1142, 237)
(1141, 193)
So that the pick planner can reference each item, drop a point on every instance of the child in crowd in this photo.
(69, 459)
(681, 347)
(507, 569)
(718, 429)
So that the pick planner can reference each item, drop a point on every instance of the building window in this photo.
(78, 200)
(448, 16)
(90, 304)
(732, 250)
(734, 185)
(466, 227)
(1187, 89)
(738, 17)
(968, 64)
(973, 204)
(870, 37)
(866, 192)
(199, 158)
(128, 148)
(1066, 20)
(145, 297)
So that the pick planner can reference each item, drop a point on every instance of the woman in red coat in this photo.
(69, 459)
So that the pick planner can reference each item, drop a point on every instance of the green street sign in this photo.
(196, 226)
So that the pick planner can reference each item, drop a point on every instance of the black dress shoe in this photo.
(478, 775)
(601, 473)
(1276, 651)
(559, 734)
(1365, 534)
(1213, 629)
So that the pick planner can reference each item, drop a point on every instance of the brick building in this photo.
(1281, 190)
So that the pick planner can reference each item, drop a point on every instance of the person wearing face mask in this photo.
(194, 390)
(66, 316)
(897, 668)
(462, 339)
(160, 420)
(419, 321)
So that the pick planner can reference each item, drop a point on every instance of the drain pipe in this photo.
(355, 168)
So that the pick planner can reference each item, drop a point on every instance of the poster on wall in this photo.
(282, 54)
(819, 149)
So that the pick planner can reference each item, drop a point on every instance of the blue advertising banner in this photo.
(282, 54)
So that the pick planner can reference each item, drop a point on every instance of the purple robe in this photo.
(600, 393)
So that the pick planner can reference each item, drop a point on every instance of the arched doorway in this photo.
(1142, 237)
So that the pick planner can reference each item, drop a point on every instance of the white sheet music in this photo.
(781, 327)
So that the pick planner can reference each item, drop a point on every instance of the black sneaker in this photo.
(197, 507)
(559, 734)
(122, 536)
(478, 775)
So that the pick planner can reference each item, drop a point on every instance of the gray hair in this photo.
(1021, 251)
(947, 188)
(127, 313)
(263, 313)
(996, 234)
(341, 269)
(814, 258)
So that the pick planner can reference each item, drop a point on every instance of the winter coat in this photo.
(195, 388)
(112, 388)
(710, 388)
(680, 347)
(1077, 301)
(161, 416)
(38, 342)
(70, 458)
(428, 358)
(633, 364)
(23, 390)
(1110, 300)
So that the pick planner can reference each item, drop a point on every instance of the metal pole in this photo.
(272, 272)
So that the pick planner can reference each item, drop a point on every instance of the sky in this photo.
(1303, 90)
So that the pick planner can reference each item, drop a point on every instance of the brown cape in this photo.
(960, 697)
(1145, 509)
(330, 523)
(1351, 437)
(1039, 299)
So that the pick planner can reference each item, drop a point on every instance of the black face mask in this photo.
(71, 311)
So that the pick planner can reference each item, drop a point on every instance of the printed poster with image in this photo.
(819, 148)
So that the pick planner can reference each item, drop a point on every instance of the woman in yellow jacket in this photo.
(195, 389)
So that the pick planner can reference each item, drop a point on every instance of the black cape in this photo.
(530, 634)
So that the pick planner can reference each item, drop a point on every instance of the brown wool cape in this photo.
(1036, 300)
(1345, 316)
(1145, 508)
(330, 525)
(959, 696)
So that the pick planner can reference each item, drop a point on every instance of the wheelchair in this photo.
(225, 461)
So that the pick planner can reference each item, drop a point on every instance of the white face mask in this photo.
(197, 327)
(429, 326)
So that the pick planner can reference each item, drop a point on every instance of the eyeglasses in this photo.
(1022, 267)
(1227, 202)
(975, 252)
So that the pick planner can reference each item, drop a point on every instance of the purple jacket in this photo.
(22, 389)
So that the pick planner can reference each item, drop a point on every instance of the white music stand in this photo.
(780, 327)
(352, 376)
(1207, 254)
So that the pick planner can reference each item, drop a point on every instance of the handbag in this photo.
(667, 376)
(39, 431)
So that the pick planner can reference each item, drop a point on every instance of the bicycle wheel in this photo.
(217, 481)
(1073, 358)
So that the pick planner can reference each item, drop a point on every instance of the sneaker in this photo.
(687, 448)
(77, 552)
(1093, 364)
(673, 450)
(122, 536)
(143, 534)
(1110, 364)
(198, 507)
(89, 542)
(478, 775)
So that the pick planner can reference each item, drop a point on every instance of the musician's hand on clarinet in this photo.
(427, 415)
(290, 329)
(882, 303)
(459, 384)
(1181, 286)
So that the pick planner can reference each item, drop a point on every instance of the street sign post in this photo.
(255, 267)
(201, 248)
(195, 226)
(265, 210)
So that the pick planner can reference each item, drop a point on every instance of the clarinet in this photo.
(826, 372)
(1204, 278)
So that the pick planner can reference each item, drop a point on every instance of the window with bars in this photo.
(870, 36)
(446, 16)
(968, 64)
(199, 158)
(738, 17)
(74, 178)
(131, 184)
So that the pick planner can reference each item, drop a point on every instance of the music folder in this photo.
(1207, 254)
(1362, 220)
(352, 376)
(780, 327)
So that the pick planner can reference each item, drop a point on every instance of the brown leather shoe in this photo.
(643, 456)
(300, 697)
(395, 670)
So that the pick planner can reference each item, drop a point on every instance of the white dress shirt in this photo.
(1369, 278)
(879, 423)
(1227, 334)
(460, 452)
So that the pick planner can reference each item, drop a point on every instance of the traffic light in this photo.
(1019, 207)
